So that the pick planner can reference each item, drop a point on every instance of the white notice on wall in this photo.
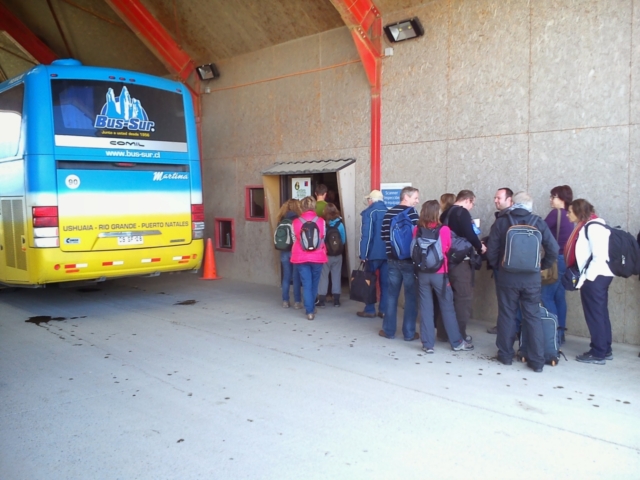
(300, 187)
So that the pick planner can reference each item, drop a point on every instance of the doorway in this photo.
(337, 175)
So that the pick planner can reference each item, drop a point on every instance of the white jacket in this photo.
(598, 246)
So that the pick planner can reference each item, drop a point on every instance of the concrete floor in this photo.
(131, 385)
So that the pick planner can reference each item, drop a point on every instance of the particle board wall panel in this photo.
(580, 53)
(489, 68)
(483, 165)
(414, 81)
(594, 162)
(345, 108)
(423, 164)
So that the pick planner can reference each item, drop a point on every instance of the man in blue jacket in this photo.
(373, 250)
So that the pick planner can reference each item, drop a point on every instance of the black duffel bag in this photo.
(363, 286)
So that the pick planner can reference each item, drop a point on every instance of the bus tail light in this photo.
(45, 216)
(45, 227)
(45, 221)
(197, 220)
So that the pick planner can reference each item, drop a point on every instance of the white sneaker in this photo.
(463, 347)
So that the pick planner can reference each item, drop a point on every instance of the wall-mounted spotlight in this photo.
(208, 72)
(404, 30)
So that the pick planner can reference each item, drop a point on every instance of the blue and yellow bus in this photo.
(99, 176)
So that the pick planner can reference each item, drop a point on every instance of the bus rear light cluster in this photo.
(197, 220)
(45, 227)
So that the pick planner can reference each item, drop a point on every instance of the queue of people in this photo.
(438, 286)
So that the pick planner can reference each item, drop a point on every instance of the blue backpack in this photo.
(523, 246)
(401, 230)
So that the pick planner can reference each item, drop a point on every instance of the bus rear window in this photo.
(96, 108)
(10, 120)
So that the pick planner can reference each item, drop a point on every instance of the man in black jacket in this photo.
(458, 218)
(523, 288)
(503, 200)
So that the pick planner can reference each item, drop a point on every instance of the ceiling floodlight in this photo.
(404, 30)
(208, 72)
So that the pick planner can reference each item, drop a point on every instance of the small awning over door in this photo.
(308, 167)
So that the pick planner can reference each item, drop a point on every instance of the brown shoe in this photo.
(297, 305)
(366, 315)
(381, 315)
(311, 316)
(416, 336)
(382, 334)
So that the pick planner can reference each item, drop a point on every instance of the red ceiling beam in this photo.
(155, 37)
(161, 43)
(361, 12)
(25, 37)
(365, 23)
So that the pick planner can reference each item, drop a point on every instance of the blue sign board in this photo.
(391, 192)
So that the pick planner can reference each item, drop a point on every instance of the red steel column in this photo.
(364, 20)
(25, 37)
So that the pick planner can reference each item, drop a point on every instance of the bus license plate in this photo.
(130, 240)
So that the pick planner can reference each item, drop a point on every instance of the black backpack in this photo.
(309, 234)
(624, 252)
(461, 248)
(333, 240)
(426, 250)
(523, 247)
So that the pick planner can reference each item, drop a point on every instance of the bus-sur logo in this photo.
(123, 112)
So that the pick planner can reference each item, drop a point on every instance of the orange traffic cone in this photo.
(209, 269)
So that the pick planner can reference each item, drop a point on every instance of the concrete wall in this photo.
(511, 93)
(303, 100)
(523, 94)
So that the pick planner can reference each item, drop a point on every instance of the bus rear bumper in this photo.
(55, 266)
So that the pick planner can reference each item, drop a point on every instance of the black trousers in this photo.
(461, 278)
(528, 298)
(595, 303)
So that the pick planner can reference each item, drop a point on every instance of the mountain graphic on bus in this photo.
(123, 111)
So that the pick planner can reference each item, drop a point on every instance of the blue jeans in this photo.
(289, 271)
(553, 296)
(310, 278)
(399, 272)
(383, 272)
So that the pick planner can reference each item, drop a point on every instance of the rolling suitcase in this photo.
(550, 334)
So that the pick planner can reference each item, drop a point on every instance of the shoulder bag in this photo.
(550, 275)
